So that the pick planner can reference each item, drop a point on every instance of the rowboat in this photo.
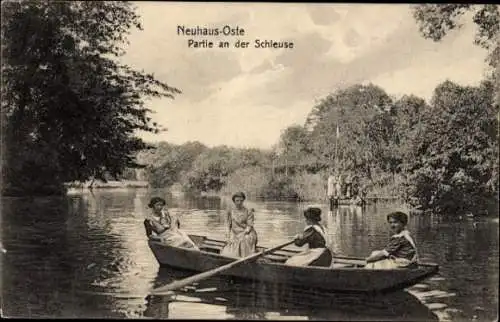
(347, 275)
(346, 202)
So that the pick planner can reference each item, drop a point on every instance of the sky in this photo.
(247, 97)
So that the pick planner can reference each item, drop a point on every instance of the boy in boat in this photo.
(400, 251)
(161, 226)
(315, 236)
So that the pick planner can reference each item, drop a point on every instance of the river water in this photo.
(86, 256)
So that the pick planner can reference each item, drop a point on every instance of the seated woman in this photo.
(314, 236)
(242, 237)
(400, 251)
(161, 226)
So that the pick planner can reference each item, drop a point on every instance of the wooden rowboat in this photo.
(347, 275)
(346, 202)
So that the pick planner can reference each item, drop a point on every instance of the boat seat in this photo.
(210, 249)
(341, 265)
(276, 258)
(214, 243)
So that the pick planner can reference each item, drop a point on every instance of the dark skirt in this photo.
(324, 260)
(312, 257)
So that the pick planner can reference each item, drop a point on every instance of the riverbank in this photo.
(112, 184)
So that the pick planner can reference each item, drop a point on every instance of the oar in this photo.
(198, 277)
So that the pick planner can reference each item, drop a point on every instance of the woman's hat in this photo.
(313, 213)
(238, 194)
(155, 200)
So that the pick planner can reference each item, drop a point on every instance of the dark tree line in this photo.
(70, 109)
(441, 155)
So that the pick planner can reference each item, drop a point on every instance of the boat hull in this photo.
(341, 279)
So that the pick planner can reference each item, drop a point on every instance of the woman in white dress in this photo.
(400, 251)
(162, 226)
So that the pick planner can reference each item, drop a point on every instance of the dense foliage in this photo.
(441, 156)
(168, 163)
(453, 165)
(470, 175)
(70, 109)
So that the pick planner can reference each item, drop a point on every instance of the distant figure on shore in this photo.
(163, 227)
(400, 251)
(348, 186)
(357, 200)
(331, 186)
(355, 189)
(242, 237)
(314, 235)
(338, 187)
(333, 193)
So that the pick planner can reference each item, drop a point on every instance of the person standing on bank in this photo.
(162, 226)
(242, 237)
(314, 235)
(338, 187)
(331, 190)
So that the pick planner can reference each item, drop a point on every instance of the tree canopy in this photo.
(71, 109)
(454, 166)
(436, 20)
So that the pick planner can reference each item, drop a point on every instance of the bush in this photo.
(252, 181)
(309, 186)
(279, 188)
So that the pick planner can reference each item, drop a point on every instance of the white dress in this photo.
(240, 243)
(173, 236)
(392, 262)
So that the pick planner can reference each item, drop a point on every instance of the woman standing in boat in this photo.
(242, 239)
(314, 236)
(161, 225)
(401, 250)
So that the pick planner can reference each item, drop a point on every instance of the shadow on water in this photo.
(81, 256)
(254, 300)
(53, 252)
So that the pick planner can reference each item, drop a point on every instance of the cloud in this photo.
(205, 69)
(323, 15)
(247, 96)
(352, 38)
(222, 122)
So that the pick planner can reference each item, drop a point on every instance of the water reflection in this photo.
(222, 298)
(86, 256)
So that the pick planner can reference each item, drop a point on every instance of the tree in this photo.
(168, 162)
(454, 168)
(436, 20)
(71, 109)
(410, 113)
(210, 170)
(294, 147)
(357, 111)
